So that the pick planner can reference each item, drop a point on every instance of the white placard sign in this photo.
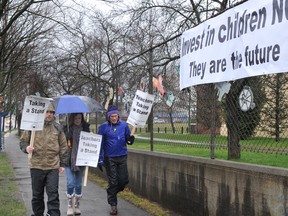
(34, 111)
(140, 109)
(89, 149)
(245, 41)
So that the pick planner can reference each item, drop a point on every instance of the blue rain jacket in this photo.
(114, 139)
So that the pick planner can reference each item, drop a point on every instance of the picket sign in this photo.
(33, 116)
(142, 88)
(91, 157)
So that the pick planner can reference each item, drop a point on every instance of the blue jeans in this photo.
(74, 181)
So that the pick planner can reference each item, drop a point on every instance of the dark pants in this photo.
(117, 172)
(40, 180)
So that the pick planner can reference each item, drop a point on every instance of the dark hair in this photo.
(72, 116)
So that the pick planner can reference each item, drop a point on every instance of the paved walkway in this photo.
(94, 201)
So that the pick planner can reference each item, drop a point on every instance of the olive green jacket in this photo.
(50, 147)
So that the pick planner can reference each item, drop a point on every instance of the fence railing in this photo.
(252, 116)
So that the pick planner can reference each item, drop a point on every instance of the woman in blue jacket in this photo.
(115, 135)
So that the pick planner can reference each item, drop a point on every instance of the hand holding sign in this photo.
(131, 139)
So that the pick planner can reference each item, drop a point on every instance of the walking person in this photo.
(115, 135)
(49, 157)
(74, 174)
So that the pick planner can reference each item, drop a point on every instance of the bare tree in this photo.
(19, 30)
(276, 105)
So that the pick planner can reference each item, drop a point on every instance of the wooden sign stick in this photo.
(32, 138)
(133, 129)
(85, 176)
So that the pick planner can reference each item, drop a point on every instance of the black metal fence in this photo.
(251, 116)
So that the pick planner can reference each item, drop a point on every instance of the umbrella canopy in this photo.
(76, 104)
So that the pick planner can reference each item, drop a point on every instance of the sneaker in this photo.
(113, 210)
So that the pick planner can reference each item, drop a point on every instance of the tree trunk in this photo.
(234, 150)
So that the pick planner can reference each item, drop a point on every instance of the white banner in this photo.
(34, 111)
(89, 149)
(140, 109)
(247, 40)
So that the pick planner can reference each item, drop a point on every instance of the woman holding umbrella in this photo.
(74, 174)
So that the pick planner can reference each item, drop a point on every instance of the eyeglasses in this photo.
(52, 112)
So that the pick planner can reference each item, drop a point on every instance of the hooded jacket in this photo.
(50, 147)
(114, 138)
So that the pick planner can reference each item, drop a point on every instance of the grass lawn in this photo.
(11, 203)
(261, 158)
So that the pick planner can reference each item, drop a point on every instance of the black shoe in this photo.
(113, 210)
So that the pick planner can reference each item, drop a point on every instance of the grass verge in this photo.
(11, 203)
(260, 158)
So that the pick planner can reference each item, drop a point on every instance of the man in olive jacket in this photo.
(48, 158)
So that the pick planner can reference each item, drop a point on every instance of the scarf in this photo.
(75, 137)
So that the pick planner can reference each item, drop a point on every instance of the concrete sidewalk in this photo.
(94, 201)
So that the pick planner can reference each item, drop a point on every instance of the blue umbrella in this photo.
(76, 104)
